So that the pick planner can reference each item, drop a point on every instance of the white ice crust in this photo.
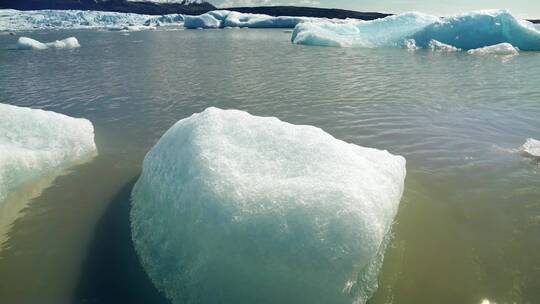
(505, 49)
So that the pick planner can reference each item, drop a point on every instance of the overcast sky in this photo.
(520, 8)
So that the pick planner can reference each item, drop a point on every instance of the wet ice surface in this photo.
(261, 202)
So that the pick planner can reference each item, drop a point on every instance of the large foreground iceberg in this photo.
(25, 43)
(467, 31)
(35, 145)
(33, 142)
(235, 208)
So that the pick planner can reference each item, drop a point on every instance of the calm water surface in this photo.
(468, 228)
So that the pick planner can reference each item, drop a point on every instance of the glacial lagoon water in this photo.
(468, 227)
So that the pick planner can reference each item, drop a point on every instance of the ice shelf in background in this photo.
(13, 20)
(236, 208)
(466, 31)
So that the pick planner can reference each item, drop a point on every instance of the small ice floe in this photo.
(531, 148)
(503, 49)
(26, 43)
(435, 45)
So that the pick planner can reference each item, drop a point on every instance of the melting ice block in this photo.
(235, 208)
(25, 43)
(505, 49)
(34, 142)
(466, 31)
(531, 147)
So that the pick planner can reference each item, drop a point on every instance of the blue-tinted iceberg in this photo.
(466, 31)
(391, 31)
(25, 43)
(235, 208)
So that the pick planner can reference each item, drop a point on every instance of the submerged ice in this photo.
(34, 142)
(235, 208)
(25, 43)
(467, 31)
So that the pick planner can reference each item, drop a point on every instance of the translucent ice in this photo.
(25, 43)
(35, 146)
(235, 208)
(467, 31)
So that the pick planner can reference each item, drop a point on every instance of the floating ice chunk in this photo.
(505, 49)
(531, 147)
(25, 43)
(391, 31)
(229, 19)
(235, 208)
(33, 142)
(435, 45)
(35, 146)
(467, 31)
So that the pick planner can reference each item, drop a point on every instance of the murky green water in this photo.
(468, 228)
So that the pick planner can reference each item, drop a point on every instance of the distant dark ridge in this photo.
(298, 11)
(121, 6)
(537, 21)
